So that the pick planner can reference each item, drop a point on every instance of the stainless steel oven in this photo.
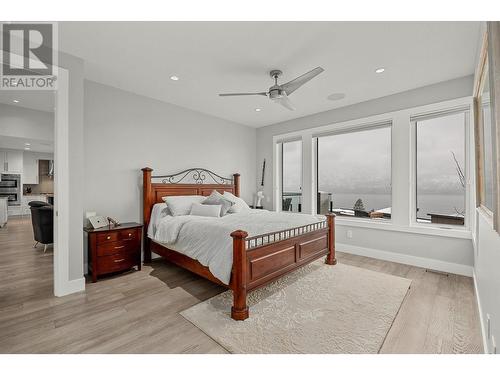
(10, 187)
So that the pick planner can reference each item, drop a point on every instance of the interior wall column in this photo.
(401, 170)
(308, 172)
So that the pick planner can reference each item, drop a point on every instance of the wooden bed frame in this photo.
(256, 260)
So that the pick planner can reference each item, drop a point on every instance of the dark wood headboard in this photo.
(204, 182)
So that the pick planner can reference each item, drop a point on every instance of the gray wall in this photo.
(486, 268)
(125, 132)
(445, 253)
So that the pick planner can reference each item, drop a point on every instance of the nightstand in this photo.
(114, 249)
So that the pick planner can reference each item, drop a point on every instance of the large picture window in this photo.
(486, 129)
(485, 135)
(441, 176)
(487, 158)
(291, 186)
(354, 173)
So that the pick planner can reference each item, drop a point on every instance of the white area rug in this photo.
(316, 309)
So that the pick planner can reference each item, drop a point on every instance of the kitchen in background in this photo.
(43, 186)
(26, 151)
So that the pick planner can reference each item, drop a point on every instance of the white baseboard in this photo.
(72, 286)
(484, 334)
(432, 264)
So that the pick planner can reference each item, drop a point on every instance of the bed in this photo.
(256, 256)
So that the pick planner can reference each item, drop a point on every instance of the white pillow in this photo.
(217, 198)
(181, 204)
(239, 204)
(211, 210)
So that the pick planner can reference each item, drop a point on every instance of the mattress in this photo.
(208, 240)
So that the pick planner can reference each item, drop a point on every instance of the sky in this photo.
(360, 162)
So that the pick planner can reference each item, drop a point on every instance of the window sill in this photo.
(416, 229)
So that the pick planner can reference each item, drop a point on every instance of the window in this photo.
(291, 181)
(354, 173)
(441, 179)
(485, 121)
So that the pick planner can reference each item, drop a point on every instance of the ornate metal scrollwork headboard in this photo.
(196, 176)
(193, 181)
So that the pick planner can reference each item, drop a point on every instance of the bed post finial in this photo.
(239, 311)
(330, 257)
(236, 182)
(146, 202)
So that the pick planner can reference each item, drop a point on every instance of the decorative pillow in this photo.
(217, 198)
(181, 204)
(239, 204)
(211, 210)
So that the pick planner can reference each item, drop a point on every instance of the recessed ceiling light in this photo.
(27, 144)
(336, 96)
(174, 78)
(258, 109)
(379, 70)
(26, 148)
(16, 101)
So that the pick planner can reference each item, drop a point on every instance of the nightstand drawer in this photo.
(110, 248)
(117, 262)
(108, 237)
(128, 234)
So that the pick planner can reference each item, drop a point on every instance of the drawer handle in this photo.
(119, 247)
(118, 260)
(108, 238)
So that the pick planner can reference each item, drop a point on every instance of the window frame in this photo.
(401, 167)
(413, 168)
(482, 74)
(280, 181)
(357, 128)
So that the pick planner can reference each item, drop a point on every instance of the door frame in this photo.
(63, 285)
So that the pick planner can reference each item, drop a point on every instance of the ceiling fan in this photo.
(279, 93)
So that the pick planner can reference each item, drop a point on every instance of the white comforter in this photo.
(208, 239)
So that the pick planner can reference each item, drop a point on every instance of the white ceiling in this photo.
(216, 57)
(35, 99)
(38, 100)
(17, 143)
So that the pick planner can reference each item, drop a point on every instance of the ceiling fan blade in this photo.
(294, 84)
(285, 102)
(245, 93)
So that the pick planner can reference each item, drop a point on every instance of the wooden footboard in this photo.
(261, 259)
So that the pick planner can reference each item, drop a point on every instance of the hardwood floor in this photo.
(138, 312)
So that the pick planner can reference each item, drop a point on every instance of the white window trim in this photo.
(413, 176)
(401, 219)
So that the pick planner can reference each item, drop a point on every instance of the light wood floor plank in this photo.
(138, 312)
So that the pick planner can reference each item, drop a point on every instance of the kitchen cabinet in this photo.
(3, 212)
(25, 208)
(30, 169)
(11, 161)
